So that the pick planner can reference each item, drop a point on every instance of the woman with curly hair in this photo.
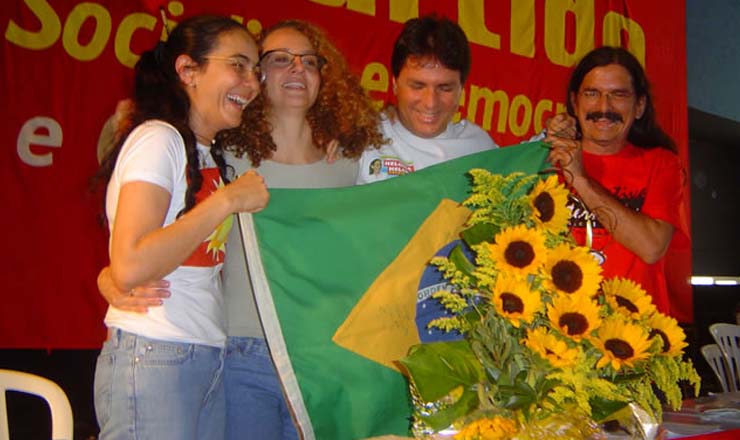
(326, 104)
(310, 105)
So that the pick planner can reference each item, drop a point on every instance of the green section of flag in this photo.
(321, 250)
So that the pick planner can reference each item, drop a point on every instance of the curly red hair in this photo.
(342, 111)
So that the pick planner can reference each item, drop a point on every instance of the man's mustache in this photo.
(611, 116)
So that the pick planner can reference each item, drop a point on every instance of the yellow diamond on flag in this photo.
(382, 327)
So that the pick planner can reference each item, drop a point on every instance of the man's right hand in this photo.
(565, 147)
(562, 126)
(138, 299)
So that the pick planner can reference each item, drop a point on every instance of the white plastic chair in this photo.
(727, 337)
(716, 360)
(61, 412)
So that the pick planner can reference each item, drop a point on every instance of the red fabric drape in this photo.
(66, 63)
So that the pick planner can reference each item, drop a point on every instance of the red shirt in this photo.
(646, 181)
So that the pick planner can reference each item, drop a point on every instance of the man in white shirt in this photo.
(430, 63)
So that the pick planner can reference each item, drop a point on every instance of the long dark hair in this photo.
(645, 132)
(159, 94)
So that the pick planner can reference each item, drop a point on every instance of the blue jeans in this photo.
(255, 406)
(150, 389)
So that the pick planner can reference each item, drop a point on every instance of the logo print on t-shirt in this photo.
(580, 217)
(580, 214)
(213, 249)
(393, 166)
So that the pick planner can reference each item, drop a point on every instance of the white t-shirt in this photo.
(154, 152)
(407, 152)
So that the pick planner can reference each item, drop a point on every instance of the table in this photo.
(715, 417)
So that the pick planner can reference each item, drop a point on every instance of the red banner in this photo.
(66, 63)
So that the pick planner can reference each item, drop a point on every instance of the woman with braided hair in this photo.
(169, 205)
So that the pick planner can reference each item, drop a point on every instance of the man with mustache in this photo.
(625, 176)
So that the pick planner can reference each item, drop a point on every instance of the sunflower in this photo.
(549, 205)
(621, 343)
(574, 315)
(493, 428)
(572, 270)
(551, 348)
(627, 297)
(674, 339)
(513, 299)
(519, 250)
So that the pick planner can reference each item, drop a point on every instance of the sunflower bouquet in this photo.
(548, 347)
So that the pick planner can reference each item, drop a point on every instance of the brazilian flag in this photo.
(339, 275)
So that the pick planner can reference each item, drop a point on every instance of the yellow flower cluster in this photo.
(495, 428)
(573, 289)
(544, 330)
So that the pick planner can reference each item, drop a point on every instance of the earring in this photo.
(263, 77)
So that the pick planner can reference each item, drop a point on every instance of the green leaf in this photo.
(546, 385)
(630, 377)
(471, 318)
(480, 233)
(458, 258)
(517, 396)
(602, 408)
(443, 418)
(521, 377)
(437, 368)
(493, 373)
(518, 401)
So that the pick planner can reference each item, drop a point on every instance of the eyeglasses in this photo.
(280, 59)
(242, 66)
(616, 96)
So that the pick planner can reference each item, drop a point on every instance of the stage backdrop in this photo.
(65, 64)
